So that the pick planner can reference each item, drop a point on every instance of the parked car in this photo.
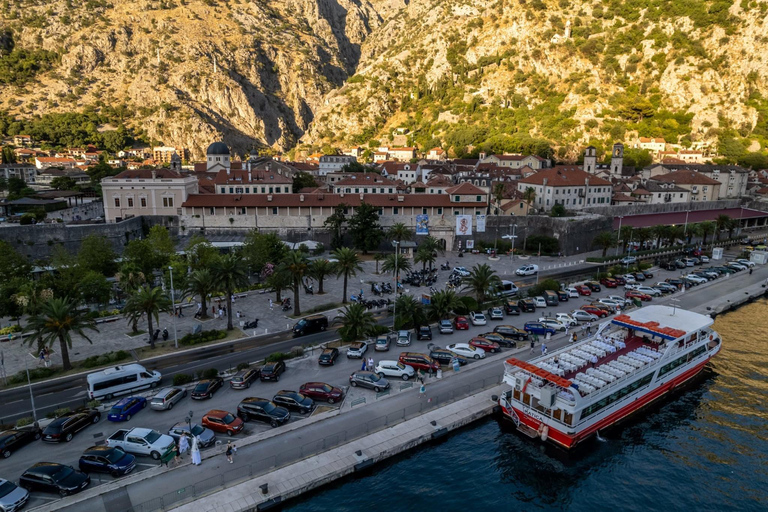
(223, 422)
(166, 398)
(512, 308)
(594, 310)
(609, 282)
(696, 279)
(12, 497)
(619, 299)
(679, 263)
(126, 408)
(272, 371)
(593, 286)
(496, 314)
(563, 296)
(310, 324)
(674, 281)
(540, 301)
(747, 263)
(403, 338)
(650, 291)
(551, 322)
(573, 293)
(477, 318)
(634, 294)
(107, 459)
(639, 276)
(566, 319)
(446, 327)
(667, 286)
(647, 273)
(510, 331)
(244, 378)
(629, 279)
(141, 441)
(583, 316)
(467, 350)
(328, 356)
(382, 343)
(484, 344)
(370, 380)
(395, 369)
(419, 361)
(668, 265)
(424, 333)
(620, 280)
(461, 271)
(527, 305)
(460, 323)
(322, 391)
(538, 328)
(205, 436)
(357, 350)
(628, 260)
(583, 290)
(688, 262)
(12, 440)
(54, 477)
(294, 401)
(65, 427)
(500, 339)
(207, 388)
(261, 409)
(704, 258)
(444, 356)
(527, 270)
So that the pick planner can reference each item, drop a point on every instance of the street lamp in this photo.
(31, 395)
(685, 228)
(618, 236)
(512, 237)
(394, 306)
(173, 307)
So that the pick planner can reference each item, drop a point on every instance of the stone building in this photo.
(145, 192)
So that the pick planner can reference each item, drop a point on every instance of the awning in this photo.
(652, 328)
(540, 372)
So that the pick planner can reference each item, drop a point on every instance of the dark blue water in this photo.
(705, 449)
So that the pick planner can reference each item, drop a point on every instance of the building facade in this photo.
(145, 192)
(569, 186)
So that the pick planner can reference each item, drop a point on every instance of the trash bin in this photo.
(637, 302)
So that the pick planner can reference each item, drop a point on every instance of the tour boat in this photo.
(568, 395)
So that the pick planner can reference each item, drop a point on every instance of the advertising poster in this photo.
(422, 225)
(470, 244)
(481, 223)
(463, 225)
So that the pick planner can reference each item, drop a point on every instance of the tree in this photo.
(303, 180)
(355, 167)
(94, 288)
(261, 249)
(12, 264)
(498, 194)
(529, 196)
(347, 265)
(706, 228)
(399, 232)
(161, 245)
(433, 245)
(297, 266)
(442, 304)
(364, 228)
(424, 256)
(56, 320)
(378, 257)
(721, 223)
(320, 269)
(202, 283)
(335, 223)
(558, 210)
(64, 183)
(151, 253)
(638, 158)
(396, 263)
(200, 253)
(357, 322)
(279, 280)
(230, 275)
(9, 157)
(605, 241)
(410, 313)
(96, 254)
(130, 277)
(147, 301)
(481, 280)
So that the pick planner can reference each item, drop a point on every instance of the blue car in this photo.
(126, 408)
(538, 328)
(107, 459)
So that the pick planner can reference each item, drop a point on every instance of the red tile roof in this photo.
(332, 200)
(623, 198)
(146, 174)
(564, 176)
(686, 178)
(365, 178)
(238, 177)
(465, 189)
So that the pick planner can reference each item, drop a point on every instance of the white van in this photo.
(121, 380)
(507, 289)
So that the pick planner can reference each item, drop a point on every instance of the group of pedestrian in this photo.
(191, 443)
(368, 365)
(45, 357)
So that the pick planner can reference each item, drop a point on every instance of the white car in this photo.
(463, 272)
(750, 264)
(540, 302)
(688, 262)
(619, 299)
(582, 316)
(572, 292)
(614, 304)
(566, 319)
(466, 350)
(694, 278)
(704, 259)
(628, 260)
(629, 279)
(527, 270)
(554, 324)
(653, 292)
(395, 369)
(477, 318)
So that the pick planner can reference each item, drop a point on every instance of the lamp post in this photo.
(397, 292)
(618, 236)
(31, 395)
(173, 306)
(512, 237)
(685, 228)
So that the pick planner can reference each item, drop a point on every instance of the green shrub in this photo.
(547, 284)
(94, 404)
(277, 356)
(23, 422)
(210, 373)
(5, 331)
(34, 374)
(182, 378)
(318, 250)
(202, 337)
(378, 329)
(243, 366)
(105, 359)
(62, 411)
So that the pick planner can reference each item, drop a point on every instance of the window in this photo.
(263, 190)
(143, 202)
(130, 202)
(357, 191)
(390, 190)
(242, 210)
(423, 211)
(456, 212)
(479, 199)
(211, 211)
(271, 189)
(117, 202)
(395, 210)
(231, 190)
(274, 210)
(167, 202)
(681, 195)
(457, 198)
(247, 190)
(238, 190)
(439, 211)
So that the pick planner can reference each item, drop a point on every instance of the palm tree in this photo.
(279, 280)
(202, 283)
(377, 258)
(347, 265)
(424, 256)
(721, 222)
(706, 228)
(320, 269)
(642, 235)
(410, 312)
(230, 274)
(396, 264)
(481, 280)
(441, 304)
(659, 232)
(130, 278)
(498, 195)
(147, 301)
(605, 241)
(57, 319)
(399, 232)
(297, 266)
(357, 322)
(529, 196)
(432, 245)
(692, 231)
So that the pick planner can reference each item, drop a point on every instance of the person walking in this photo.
(543, 349)
(196, 460)
(183, 444)
(365, 365)
(42, 356)
(230, 450)
(533, 344)
(567, 325)
(271, 305)
(593, 360)
(573, 340)
(422, 390)
(371, 364)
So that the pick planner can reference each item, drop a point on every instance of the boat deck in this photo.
(632, 343)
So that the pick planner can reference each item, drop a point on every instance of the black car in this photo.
(510, 331)
(639, 276)
(562, 296)
(243, 378)
(674, 281)
(680, 264)
(527, 305)
(424, 333)
(107, 459)
(503, 341)
(12, 440)
(647, 274)
(294, 401)
(206, 388)
(445, 356)
(511, 308)
(272, 371)
(593, 285)
(328, 356)
(65, 427)
(54, 477)
(261, 409)
(668, 265)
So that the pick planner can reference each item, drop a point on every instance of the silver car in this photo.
(165, 399)
(446, 327)
(403, 338)
(12, 497)
(206, 436)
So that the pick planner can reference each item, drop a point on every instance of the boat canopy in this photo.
(540, 372)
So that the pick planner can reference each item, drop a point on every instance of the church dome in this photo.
(217, 148)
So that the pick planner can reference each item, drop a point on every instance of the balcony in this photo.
(694, 191)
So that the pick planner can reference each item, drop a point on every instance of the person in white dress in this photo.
(195, 451)
(183, 444)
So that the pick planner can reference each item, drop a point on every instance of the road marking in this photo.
(14, 402)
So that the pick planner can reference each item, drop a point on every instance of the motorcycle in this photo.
(251, 325)
(286, 307)
(445, 266)
(165, 334)
(308, 289)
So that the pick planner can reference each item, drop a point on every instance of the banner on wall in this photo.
(470, 244)
(422, 224)
(481, 223)
(463, 225)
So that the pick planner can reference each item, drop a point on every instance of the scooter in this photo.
(445, 266)
(286, 307)
(165, 334)
(308, 289)
(251, 325)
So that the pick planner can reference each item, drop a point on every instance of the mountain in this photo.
(501, 75)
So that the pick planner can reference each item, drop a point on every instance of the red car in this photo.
(620, 280)
(633, 294)
(322, 391)
(461, 323)
(583, 290)
(223, 422)
(609, 282)
(600, 313)
(484, 344)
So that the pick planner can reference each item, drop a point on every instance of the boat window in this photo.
(595, 407)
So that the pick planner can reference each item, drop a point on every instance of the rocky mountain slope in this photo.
(503, 75)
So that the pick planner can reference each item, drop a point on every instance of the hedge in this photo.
(547, 284)
(34, 374)
(210, 373)
(5, 331)
(202, 337)
(105, 359)
(182, 378)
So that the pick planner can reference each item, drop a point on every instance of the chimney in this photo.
(301, 198)
(250, 174)
(400, 198)
(269, 197)
(154, 174)
(361, 197)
